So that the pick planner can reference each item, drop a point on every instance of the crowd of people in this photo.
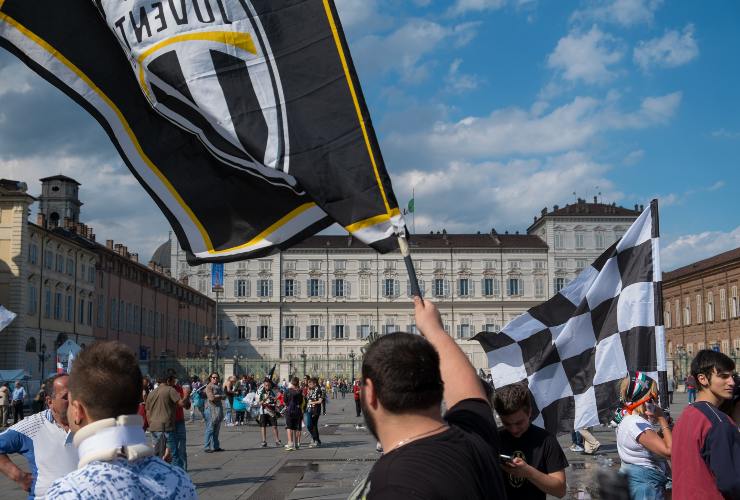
(105, 431)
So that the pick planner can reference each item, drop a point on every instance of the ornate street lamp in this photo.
(215, 344)
(352, 357)
(303, 357)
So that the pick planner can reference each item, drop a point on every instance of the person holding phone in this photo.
(642, 449)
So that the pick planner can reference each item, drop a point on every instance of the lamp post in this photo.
(303, 357)
(42, 360)
(682, 357)
(215, 344)
(352, 357)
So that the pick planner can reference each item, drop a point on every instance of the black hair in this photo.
(404, 370)
(707, 361)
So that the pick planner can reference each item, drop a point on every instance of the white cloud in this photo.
(726, 134)
(692, 247)
(622, 12)
(115, 204)
(463, 6)
(405, 49)
(360, 16)
(634, 157)
(495, 194)
(669, 51)
(586, 56)
(516, 131)
(457, 82)
(15, 78)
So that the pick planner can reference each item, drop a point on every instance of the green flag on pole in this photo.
(411, 206)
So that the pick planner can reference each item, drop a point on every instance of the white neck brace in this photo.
(112, 438)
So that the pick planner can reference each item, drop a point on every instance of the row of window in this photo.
(131, 318)
(341, 331)
(675, 315)
(724, 347)
(579, 239)
(60, 306)
(61, 264)
(391, 287)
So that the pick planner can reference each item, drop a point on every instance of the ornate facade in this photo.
(324, 296)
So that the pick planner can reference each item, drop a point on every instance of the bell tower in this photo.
(59, 200)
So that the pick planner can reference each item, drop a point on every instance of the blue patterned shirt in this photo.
(148, 478)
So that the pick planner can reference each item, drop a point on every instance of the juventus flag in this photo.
(574, 349)
(243, 119)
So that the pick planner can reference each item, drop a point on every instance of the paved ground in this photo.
(245, 470)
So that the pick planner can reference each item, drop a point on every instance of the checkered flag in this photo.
(575, 348)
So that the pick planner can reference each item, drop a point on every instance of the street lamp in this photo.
(352, 357)
(215, 344)
(303, 357)
(42, 360)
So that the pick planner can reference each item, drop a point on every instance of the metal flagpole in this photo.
(403, 244)
(658, 298)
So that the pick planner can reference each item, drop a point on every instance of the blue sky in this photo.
(490, 110)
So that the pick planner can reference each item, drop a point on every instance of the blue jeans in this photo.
(180, 455)
(214, 416)
(171, 442)
(576, 438)
(692, 395)
(307, 420)
(645, 483)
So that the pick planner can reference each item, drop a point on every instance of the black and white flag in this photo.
(574, 349)
(243, 119)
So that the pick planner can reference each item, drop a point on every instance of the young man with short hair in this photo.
(266, 398)
(404, 378)
(116, 460)
(537, 464)
(706, 442)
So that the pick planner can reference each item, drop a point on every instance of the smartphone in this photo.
(650, 407)
(505, 458)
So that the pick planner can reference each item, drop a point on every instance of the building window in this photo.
(488, 265)
(100, 317)
(265, 332)
(580, 237)
(289, 329)
(289, 265)
(89, 312)
(439, 265)
(581, 265)
(315, 287)
(265, 265)
(490, 287)
(338, 287)
(722, 304)
(559, 284)
(241, 288)
(363, 330)
(687, 311)
(48, 259)
(57, 305)
(314, 265)
(600, 240)
(264, 287)
(70, 308)
(70, 267)
(441, 287)
(60, 263)
(539, 265)
(463, 287)
(514, 264)
(465, 265)
(364, 288)
(490, 328)
(390, 328)
(539, 287)
(365, 265)
(32, 253)
(340, 265)
(465, 328)
(677, 311)
(515, 287)
(710, 307)
(733, 302)
(699, 309)
(31, 300)
(391, 288)
(289, 286)
(314, 331)
(338, 331)
(559, 240)
(113, 314)
(81, 315)
(561, 264)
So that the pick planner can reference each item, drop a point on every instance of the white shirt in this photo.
(47, 447)
(148, 478)
(630, 451)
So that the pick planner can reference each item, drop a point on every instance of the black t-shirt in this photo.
(461, 462)
(539, 449)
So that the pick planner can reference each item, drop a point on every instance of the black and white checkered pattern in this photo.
(575, 348)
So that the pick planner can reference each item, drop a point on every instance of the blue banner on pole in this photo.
(217, 276)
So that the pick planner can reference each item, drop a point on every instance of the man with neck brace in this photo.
(116, 459)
